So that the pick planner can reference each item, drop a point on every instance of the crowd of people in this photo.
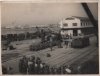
(34, 65)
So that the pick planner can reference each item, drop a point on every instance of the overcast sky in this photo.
(41, 13)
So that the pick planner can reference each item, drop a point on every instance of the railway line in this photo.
(69, 58)
(59, 56)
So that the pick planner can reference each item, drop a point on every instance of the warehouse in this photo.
(76, 26)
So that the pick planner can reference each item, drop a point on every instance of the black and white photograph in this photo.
(49, 38)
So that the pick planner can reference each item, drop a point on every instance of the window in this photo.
(81, 23)
(65, 24)
(69, 18)
(74, 24)
(86, 23)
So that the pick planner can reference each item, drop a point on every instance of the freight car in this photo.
(80, 42)
(41, 46)
(45, 44)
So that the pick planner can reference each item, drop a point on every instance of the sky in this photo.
(41, 13)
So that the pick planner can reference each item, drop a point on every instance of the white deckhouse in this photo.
(76, 26)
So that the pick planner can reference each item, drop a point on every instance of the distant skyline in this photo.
(41, 13)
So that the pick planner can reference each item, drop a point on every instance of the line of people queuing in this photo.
(34, 65)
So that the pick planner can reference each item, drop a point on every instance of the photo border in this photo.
(51, 1)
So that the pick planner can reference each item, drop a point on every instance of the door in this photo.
(75, 32)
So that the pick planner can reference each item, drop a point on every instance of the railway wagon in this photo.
(80, 42)
(41, 46)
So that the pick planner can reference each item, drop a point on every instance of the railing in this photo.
(75, 37)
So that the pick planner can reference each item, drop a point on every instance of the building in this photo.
(76, 26)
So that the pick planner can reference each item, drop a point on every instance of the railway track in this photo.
(60, 59)
(64, 57)
(80, 57)
(77, 58)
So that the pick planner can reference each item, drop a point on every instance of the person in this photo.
(38, 31)
(35, 68)
(55, 70)
(37, 60)
(30, 66)
(38, 67)
(59, 39)
(51, 42)
(20, 66)
(69, 43)
(42, 36)
(79, 69)
(63, 69)
(68, 69)
(66, 41)
(59, 70)
(47, 70)
(52, 70)
(4, 70)
(23, 65)
(7, 70)
(43, 68)
(33, 58)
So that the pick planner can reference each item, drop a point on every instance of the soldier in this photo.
(7, 70)
(33, 58)
(24, 65)
(38, 67)
(20, 66)
(30, 66)
(43, 68)
(35, 68)
(37, 60)
(4, 70)
(59, 39)
(63, 69)
(42, 36)
(51, 42)
(47, 69)
(59, 70)
(55, 70)
(52, 70)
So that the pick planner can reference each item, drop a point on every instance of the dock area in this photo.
(59, 56)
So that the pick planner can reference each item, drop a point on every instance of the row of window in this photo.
(66, 24)
(75, 24)
(85, 23)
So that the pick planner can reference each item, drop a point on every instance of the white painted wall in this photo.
(70, 23)
(76, 20)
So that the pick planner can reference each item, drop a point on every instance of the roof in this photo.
(82, 18)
